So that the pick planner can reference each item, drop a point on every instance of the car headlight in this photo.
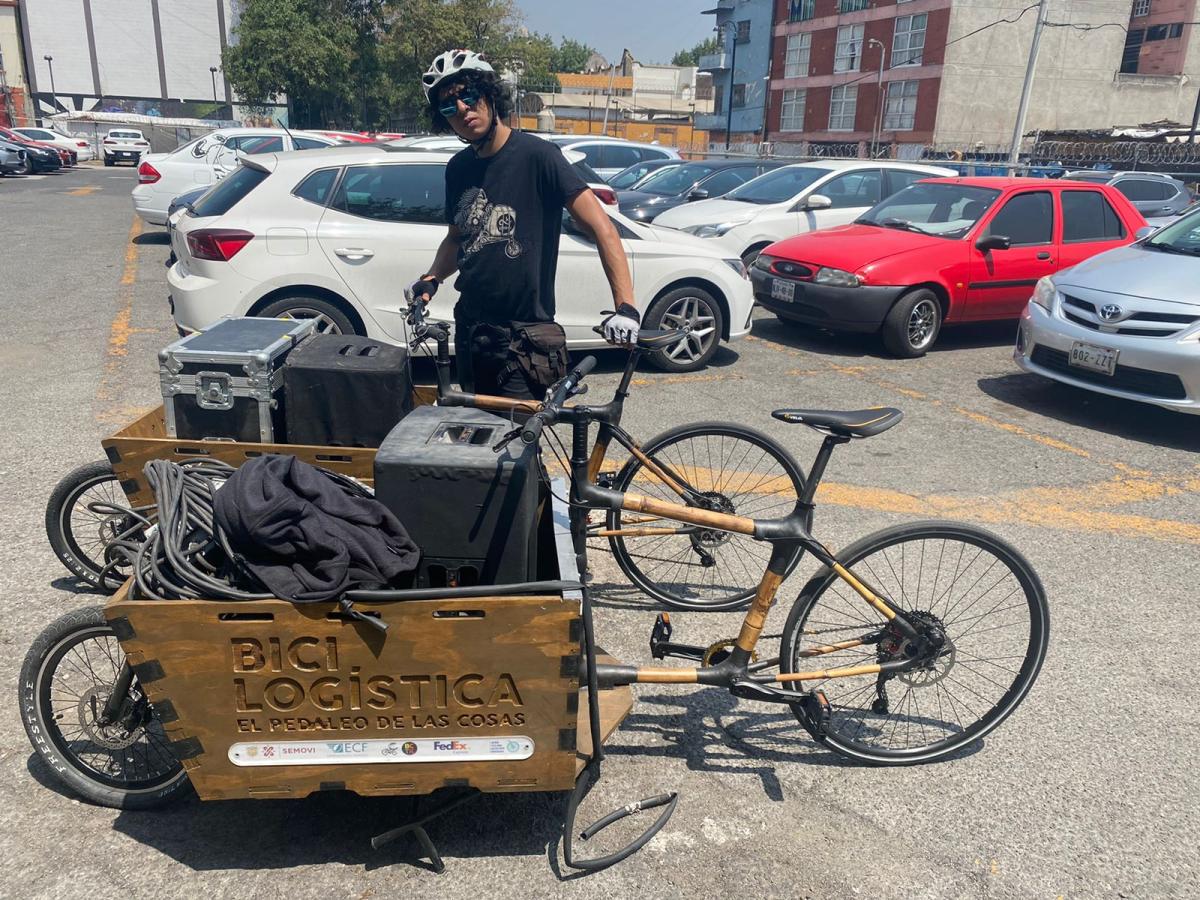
(705, 231)
(1043, 294)
(837, 278)
(738, 266)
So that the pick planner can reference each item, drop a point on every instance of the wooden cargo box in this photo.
(274, 699)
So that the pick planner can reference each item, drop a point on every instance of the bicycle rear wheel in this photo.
(66, 680)
(86, 512)
(739, 471)
(973, 586)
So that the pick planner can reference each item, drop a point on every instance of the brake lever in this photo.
(579, 390)
(506, 440)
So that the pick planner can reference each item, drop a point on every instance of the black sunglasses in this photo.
(449, 106)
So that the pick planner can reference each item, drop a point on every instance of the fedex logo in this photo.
(449, 745)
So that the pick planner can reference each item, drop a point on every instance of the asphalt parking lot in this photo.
(1089, 790)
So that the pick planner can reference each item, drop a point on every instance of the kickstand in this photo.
(418, 830)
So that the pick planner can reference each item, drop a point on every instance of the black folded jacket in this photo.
(305, 537)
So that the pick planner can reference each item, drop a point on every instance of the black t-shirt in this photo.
(508, 208)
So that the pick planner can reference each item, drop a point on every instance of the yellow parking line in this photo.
(120, 330)
(83, 191)
(686, 379)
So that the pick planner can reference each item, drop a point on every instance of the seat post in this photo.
(818, 466)
(630, 368)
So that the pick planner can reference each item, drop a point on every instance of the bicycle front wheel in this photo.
(738, 471)
(962, 580)
(66, 680)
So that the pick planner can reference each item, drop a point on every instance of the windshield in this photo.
(941, 210)
(675, 181)
(1182, 236)
(778, 186)
(135, 135)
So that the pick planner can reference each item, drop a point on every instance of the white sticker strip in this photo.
(343, 753)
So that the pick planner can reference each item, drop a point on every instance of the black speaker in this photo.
(345, 391)
(472, 511)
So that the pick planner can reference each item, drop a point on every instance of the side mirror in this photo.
(698, 194)
(991, 242)
(1144, 232)
(817, 201)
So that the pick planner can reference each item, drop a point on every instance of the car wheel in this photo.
(30, 168)
(751, 255)
(691, 306)
(913, 324)
(330, 319)
(107, 160)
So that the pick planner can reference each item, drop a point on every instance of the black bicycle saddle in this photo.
(656, 338)
(859, 423)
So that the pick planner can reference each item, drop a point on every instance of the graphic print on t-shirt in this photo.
(483, 222)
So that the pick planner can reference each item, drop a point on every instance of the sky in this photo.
(653, 30)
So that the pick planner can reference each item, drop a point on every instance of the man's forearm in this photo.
(445, 263)
(616, 265)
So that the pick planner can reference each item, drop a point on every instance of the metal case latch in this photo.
(214, 390)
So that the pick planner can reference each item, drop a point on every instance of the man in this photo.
(505, 194)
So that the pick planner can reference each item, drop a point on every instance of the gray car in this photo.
(12, 158)
(1153, 194)
(689, 182)
(1125, 322)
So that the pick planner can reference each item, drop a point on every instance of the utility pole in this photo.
(53, 92)
(730, 27)
(877, 123)
(1195, 120)
(1027, 88)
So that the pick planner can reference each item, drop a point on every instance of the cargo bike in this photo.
(718, 466)
(925, 637)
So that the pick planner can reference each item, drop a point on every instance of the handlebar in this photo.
(532, 431)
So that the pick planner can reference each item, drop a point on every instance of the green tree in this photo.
(692, 57)
(570, 56)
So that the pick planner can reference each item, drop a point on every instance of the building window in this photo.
(792, 112)
(1141, 7)
(1156, 33)
(718, 102)
(1176, 30)
(909, 40)
(901, 108)
(842, 102)
(801, 10)
(849, 48)
(846, 6)
(739, 96)
(795, 60)
(1133, 51)
(743, 31)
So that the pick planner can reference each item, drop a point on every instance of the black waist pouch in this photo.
(539, 350)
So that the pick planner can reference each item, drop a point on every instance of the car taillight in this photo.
(109, 141)
(147, 174)
(81, 143)
(605, 195)
(217, 244)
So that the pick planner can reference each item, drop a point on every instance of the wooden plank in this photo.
(271, 674)
(615, 705)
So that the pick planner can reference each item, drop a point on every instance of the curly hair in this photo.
(490, 87)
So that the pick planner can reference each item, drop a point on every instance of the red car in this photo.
(942, 250)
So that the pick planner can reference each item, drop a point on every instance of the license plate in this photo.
(783, 290)
(1089, 356)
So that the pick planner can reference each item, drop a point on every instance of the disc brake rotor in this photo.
(110, 737)
(934, 667)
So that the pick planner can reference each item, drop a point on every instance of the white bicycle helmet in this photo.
(449, 64)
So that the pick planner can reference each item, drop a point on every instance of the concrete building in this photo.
(136, 55)
(914, 73)
(744, 28)
(14, 92)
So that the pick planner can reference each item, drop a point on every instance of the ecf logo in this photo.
(348, 747)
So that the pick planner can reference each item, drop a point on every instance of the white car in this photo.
(77, 145)
(124, 144)
(793, 200)
(608, 155)
(164, 176)
(335, 234)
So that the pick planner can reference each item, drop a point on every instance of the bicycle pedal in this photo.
(660, 635)
(817, 708)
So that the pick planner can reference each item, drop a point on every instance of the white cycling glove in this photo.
(424, 288)
(621, 326)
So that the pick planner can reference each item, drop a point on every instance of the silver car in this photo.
(12, 158)
(1153, 194)
(1125, 322)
